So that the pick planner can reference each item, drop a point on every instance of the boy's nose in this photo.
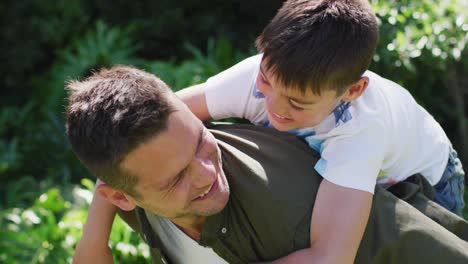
(278, 105)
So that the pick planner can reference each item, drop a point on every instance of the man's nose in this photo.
(203, 173)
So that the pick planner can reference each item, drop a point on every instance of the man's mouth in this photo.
(209, 192)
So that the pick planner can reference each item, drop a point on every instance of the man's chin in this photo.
(220, 202)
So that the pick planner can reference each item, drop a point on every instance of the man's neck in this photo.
(192, 227)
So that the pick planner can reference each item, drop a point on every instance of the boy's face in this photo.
(290, 109)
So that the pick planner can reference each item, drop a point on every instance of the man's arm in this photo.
(93, 246)
(194, 98)
(338, 223)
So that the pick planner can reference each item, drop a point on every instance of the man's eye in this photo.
(179, 177)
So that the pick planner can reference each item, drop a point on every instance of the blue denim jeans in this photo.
(450, 188)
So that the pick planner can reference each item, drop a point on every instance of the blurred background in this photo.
(45, 192)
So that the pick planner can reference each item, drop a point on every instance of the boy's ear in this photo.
(117, 198)
(356, 89)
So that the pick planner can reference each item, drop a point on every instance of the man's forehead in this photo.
(189, 153)
(161, 157)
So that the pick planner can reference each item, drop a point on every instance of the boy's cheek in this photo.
(308, 119)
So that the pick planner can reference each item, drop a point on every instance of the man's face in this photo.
(179, 171)
(290, 109)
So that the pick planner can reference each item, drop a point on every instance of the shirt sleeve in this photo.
(354, 160)
(231, 93)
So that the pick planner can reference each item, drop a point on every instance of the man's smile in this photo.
(209, 192)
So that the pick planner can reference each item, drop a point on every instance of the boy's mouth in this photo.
(280, 119)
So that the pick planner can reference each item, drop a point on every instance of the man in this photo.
(229, 193)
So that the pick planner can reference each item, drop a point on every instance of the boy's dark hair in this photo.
(320, 44)
(110, 114)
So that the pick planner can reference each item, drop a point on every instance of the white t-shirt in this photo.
(382, 137)
(179, 247)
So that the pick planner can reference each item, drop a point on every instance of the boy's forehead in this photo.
(307, 97)
(269, 74)
(302, 95)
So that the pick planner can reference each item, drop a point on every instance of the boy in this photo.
(311, 80)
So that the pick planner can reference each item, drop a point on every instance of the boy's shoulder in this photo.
(378, 81)
(375, 80)
(381, 88)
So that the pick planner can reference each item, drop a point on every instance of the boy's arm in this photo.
(93, 246)
(194, 98)
(227, 94)
(338, 223)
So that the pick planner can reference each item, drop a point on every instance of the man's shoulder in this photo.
(273, 187)
(244, 135)
(265, 167)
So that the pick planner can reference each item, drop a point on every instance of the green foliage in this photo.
(102, 46)
(432, 30)
(164, 25)
(48, 231)
(32, 150)
(219, 56)
(31, 31)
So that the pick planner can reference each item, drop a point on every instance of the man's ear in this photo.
(117, 198)
(356, 89)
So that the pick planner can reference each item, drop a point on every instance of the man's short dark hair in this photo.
(320, 45)
(111, 113)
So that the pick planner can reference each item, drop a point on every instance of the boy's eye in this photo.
(295, 107)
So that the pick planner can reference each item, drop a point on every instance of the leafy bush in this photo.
(33, 150)
(101, 46)
(48, 231)
(219, 56)
(164, 26)
(31, 31)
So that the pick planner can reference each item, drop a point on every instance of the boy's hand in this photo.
(194, 98)
(338, 222)
(93, 246)
(85, 253)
